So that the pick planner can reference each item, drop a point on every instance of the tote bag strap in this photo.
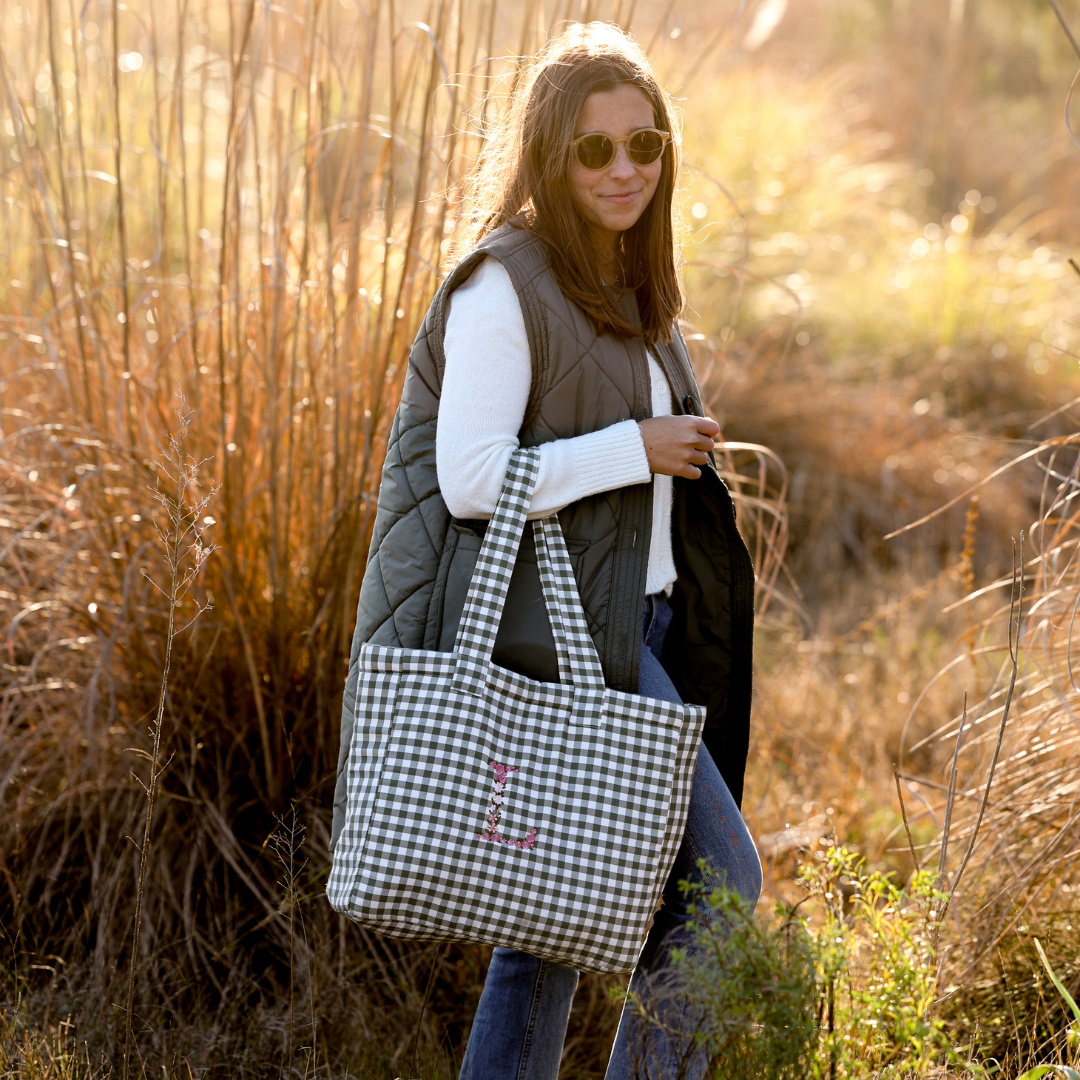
(579, 662)
(482, 613)
(486, 597)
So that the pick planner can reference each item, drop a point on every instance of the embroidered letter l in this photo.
(495, 809)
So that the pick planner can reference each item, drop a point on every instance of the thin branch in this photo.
(1065, 27)
(903, 811)
(950, 797)
(1016, 603)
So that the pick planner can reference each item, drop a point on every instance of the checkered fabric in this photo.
(485, 807)
(578, 660)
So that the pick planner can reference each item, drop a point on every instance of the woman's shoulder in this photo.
(504, 267)
(521, 253)
(485, 328)
(488, 287)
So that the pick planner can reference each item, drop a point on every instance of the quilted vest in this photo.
(421, 559)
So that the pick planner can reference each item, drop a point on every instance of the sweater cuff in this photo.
(610, 458)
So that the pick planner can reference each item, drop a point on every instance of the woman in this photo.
(557, 329)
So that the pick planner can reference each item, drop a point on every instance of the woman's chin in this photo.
(621, 220)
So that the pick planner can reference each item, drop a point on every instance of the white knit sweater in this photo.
(485, 389)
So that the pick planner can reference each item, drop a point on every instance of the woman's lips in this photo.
(621, 198)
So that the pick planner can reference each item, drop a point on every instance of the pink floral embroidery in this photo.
(498, 800)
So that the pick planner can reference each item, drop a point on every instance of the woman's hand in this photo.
(677, 445)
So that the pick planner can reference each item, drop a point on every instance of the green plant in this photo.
(877, 969)
(1057, 982)
(750, 988)
(1074, 1029)
(841, 984)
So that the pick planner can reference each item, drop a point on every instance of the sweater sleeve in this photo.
(485, 390)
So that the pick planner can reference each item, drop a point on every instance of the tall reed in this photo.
(1015, 866)
(247, 205)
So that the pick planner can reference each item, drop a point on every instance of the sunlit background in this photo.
(249, 205)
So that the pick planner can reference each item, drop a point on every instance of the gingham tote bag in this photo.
(486, 807)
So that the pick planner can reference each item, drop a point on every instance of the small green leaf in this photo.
(1061, 989)
(1038, 1072)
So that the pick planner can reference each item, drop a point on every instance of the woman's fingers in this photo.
(677, 445)
(690, 470)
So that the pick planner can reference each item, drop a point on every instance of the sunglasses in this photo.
(643, 147)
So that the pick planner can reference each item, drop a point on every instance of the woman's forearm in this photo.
(484, 394)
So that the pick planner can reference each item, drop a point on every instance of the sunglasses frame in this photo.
(664, 135)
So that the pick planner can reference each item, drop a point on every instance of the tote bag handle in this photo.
(579, 662)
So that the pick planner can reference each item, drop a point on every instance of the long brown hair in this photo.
(523, 178)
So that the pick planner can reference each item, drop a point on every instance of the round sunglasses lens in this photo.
(594, 151)
(646, 146)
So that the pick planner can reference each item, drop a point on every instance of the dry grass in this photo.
(268, 252)
(248, 204)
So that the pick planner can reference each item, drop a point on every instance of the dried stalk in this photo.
(185, 555)
(1016, 603)
(903, 812)
(121, 225)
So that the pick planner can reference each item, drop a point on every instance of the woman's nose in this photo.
(622, 168)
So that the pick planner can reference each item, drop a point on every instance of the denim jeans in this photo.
(520, 1023)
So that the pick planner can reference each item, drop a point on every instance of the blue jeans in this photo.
(520, 1023)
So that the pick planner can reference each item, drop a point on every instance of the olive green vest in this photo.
(421, 559)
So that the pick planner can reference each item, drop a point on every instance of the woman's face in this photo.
(612, 199)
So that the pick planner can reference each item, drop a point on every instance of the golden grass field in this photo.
(222, 223)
